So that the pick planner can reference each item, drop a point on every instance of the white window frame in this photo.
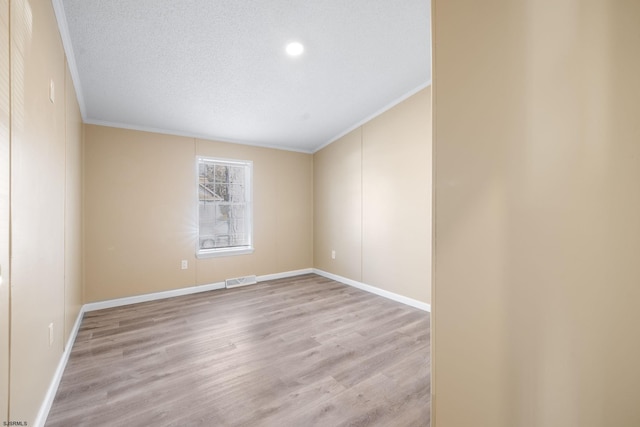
(227, 250)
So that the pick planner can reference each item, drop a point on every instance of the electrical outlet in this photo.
(52, 91)
(333, 254)
(50, 334)
(185, 264)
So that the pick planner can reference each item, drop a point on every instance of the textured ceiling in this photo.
(218, 69)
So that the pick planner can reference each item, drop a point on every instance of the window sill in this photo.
(213, 253)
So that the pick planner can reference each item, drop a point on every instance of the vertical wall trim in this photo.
(433, 213)
(10, 175)
(196, 212)
(362, 202)
(82, 211)
(65, 213)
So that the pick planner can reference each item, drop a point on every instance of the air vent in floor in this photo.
(240, 281)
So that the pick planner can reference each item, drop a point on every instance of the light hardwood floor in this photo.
(297, 352)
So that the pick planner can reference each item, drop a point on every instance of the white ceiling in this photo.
(217, 69)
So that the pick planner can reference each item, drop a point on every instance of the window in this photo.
(224, 207)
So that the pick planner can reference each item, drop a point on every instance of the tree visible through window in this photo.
(224, 207)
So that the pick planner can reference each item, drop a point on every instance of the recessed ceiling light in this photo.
(295, 48)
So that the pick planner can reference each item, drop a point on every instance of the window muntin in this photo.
(224, 207)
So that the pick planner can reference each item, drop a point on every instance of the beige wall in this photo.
(4, 209)
(372, 191)
(396, 199)
(140, 213)
(44, 192)
(337, 204)
(537, 213)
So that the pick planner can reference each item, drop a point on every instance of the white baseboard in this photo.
(43, 413)
(284, 275)
(368, 288)
(118, 302)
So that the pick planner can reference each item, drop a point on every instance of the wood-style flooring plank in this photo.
(303, 351)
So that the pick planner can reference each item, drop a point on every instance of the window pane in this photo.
(236, 193)
(224, 207)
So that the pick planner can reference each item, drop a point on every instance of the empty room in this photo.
(219, 213)
(278, 213)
